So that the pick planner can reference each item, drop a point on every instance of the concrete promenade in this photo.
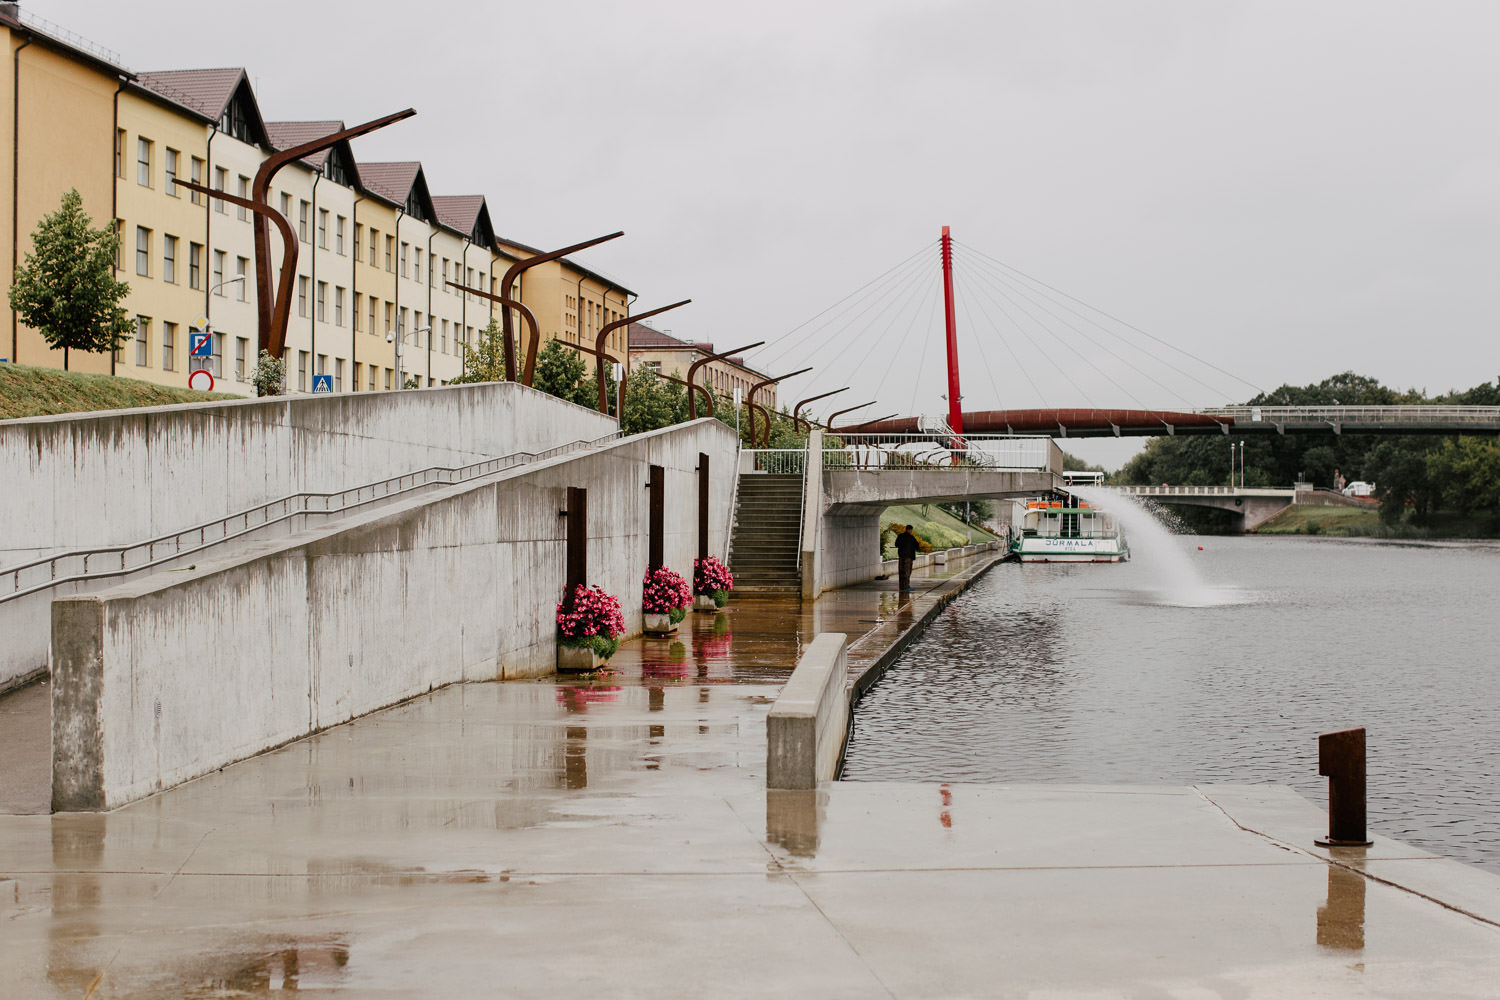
(613, 837)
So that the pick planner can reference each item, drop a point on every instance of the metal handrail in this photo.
(214, 532)
(802, 500)
(1198, 491)
(996, 452)
(1411, 414)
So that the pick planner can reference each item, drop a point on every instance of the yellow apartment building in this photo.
(673, 356)
(571, 302)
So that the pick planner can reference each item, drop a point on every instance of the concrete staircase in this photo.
(764, 547)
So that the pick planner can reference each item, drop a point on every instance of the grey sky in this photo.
(1287, 190)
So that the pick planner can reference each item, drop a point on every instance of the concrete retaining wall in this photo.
(115, 477)
(807, 726)
(159, 680)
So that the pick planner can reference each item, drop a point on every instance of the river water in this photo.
(1223, 663)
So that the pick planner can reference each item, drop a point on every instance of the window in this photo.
(143, 162)
(322, 302)
(417, 271)
(338, 306)
(143, 251)
(169, 259)
(372, 378)
(241, 267)
(416, 327)
(196, 176)
(241, 212)
(301, 371)
(388, 378)
(323, 228)
(286, 206)
(374, 238)
(390, 250)
(302, 209)
(404, 247)
(388, 314)
(218, 272)
(338, 235)
(443, 344)
(221, 181)
(168, 346)
(358, 305)
(120, 153)
(359, 372)
(445, 276)
(338, 374)
(373, 302)
(322, 364)
(195, 265)
(143, 340)
(401, 326)
(241, 349)
(216, 365)
(172, 156)
(359, 239)
(301, 295)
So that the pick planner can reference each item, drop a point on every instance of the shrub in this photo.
(663, 592)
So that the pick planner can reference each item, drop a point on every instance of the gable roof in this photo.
(467, 214)
(649, 338)
(336, 162)
(401, 183)
(208, 93)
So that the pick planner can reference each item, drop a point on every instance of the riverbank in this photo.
(1353, 522)
(613, 837)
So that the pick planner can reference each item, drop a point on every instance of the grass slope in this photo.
(917, 514)
(1354, 522)
(38, 392)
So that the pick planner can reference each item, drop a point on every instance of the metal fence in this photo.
(117, 560)
(1416, 415)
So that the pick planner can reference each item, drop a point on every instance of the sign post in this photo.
(201, 357)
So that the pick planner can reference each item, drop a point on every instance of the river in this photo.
(1216, 659)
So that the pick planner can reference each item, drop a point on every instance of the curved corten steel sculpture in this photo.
(757, 387)
(693, 370)
(536, 337)
(683, 382)
(288, 256)
(611, 327)
(834, 416)
(800, 424)
(516, 304)
(272, 316)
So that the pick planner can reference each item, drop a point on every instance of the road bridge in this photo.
(1253, 506)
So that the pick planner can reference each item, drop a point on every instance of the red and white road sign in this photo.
(202, 380)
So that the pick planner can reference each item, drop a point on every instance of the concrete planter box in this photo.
(658, 624)
(704, 602)
(577, 659)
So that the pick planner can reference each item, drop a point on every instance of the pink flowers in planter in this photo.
(664, 592)
(712, 578)
(592, 618)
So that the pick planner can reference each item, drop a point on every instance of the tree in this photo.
(485, 361)
(1466, 473)
(650, 402)
(560, 372)
(269, 378)
(1398, 468)
(66, 288)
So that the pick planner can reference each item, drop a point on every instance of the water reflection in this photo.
(793, 818)
(303, 967)
(77, 853)
(1341, 920)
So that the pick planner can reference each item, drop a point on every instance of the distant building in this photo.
(373, 302)
(673, 356)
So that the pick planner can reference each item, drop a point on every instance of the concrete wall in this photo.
(807, 727)
(158, 681)
(119, 476)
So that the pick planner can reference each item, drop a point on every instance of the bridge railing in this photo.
(118, 560)
(1416, 415)
(881, 452)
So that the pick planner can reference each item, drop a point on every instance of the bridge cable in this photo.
(847, 320)
(922, 306)
(916, 383)
(978, 341)
(1041, 400)
(1130, 326)
(1038, 347)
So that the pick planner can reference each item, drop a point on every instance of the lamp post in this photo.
(208, 326)
(398, 341)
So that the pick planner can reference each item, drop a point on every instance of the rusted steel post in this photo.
(275, 334)
(1341, 759)
(505, 286)
(703, 484)
(799, 424)
(508, 304)
(578, 542)
(757, 387)
(683, 382)
(273, 316)
(656, 548)
(611, 327)
(693, 370)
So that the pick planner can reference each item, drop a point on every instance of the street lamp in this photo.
(208, 326)
(398, 341)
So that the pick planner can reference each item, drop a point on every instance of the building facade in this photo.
(671, 355)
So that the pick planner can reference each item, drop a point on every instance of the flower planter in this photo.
(577, 659)
(705, 602)
(659, 624)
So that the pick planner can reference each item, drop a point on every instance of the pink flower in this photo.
(590, 612)
(709, 575)
(663, 591)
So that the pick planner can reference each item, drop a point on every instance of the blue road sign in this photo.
(201, 345)
(322, 383)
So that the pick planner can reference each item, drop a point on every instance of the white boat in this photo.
(1066, 531)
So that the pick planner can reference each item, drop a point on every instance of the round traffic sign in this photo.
(202, 380)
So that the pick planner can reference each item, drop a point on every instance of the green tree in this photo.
(485, 361)
(1466, 473)
(650, 402)
(560, 372)
(66, 288)
(1398, 468)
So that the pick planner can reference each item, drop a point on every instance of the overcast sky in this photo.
(1284, 190)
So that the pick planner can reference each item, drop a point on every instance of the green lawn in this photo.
(921, 516)
(38, 392)
(1356, 522)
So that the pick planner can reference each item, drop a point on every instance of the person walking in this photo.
(906, 554)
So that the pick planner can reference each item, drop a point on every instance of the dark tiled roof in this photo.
(391, 181)
(642, 335)
(206, 91)
(285, 135)
(458, 211)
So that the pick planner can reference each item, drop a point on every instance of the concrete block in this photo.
(807, 726)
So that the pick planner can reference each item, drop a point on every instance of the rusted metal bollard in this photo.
(1341, 759)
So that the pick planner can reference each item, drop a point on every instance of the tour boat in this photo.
(1066, 531)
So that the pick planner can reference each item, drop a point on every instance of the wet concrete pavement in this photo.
(613, 837)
